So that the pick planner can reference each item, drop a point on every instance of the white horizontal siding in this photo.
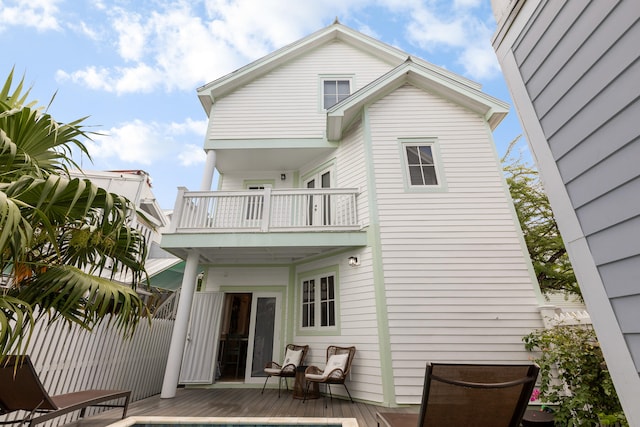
(457, 282)
(285, 103)
(350, 171)
(358, 325)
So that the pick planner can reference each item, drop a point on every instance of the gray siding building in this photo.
(573, 71)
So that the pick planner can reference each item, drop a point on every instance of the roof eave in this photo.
(491, 109)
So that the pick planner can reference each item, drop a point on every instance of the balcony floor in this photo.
(241, 402)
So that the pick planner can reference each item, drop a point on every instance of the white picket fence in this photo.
(69, 358)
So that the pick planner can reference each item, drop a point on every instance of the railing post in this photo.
(177, 209)
(266, 209)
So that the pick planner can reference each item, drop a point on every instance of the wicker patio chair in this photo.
(294, 357)
(464, 395)
(336, 370)
(21, 389)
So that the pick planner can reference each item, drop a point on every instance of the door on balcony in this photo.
(255, 205)
(319, 206)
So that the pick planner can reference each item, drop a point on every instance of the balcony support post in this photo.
(209, 168)
(180, 327)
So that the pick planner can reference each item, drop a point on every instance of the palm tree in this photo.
(57, 234)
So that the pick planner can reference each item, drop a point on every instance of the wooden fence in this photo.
(69, 358)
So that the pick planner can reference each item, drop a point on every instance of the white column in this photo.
(209, 168)
(180, 327)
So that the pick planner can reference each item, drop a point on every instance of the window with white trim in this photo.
(334, 91)
(319, 302)
(421, 165)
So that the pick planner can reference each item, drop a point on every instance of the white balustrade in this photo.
(266, 210)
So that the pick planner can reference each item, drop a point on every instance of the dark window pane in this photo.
(426, 158)
(412, 155)
(305, 316)
(335, 91)
(332, 314)
(415, 175)
(331, 288)
(430, 177)
(330, 87)
(343, 87)
(323, 314)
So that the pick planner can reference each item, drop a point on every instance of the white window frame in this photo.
(436, 164)
(333, 78)
(317, 300)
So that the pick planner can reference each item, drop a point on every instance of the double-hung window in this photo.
(319, 302)
(421, 164)
(334, 90)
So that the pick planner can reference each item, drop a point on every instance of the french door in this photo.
(264, 334)
(319, 206)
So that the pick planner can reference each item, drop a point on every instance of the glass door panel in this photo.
(264, 337)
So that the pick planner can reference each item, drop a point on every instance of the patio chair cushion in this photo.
(336, 361)
(272, 371)
(292, 357)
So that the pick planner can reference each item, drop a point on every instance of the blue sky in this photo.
(133, 66)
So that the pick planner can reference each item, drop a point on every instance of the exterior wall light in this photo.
(283, 176)
(353, 261)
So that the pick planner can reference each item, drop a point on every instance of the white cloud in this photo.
(181, 45)
(192, 155)
(459, 30)
(39, 14)
(131, 36)
(92, 77)
(198, 127)
(479, 61)
(431, 32)
(84, 29)
(144, 143)
(466, 4)
(140, 78)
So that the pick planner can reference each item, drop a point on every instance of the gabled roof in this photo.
(336, 31)
(341, 115)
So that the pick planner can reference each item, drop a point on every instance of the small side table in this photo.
(300, 386)
(533, 418)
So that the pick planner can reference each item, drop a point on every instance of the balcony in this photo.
(269, 225)
(266, 211)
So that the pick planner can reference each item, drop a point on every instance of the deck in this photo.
(241, 402)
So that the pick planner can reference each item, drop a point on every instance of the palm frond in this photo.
(16, 325)
(77, 297)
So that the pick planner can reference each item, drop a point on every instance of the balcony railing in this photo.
(266, 210)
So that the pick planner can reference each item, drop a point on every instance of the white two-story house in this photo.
(360, 201)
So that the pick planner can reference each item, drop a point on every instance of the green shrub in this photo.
(574, 376)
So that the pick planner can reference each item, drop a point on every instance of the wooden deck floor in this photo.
(241, 402)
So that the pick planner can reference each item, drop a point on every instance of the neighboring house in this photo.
(135, 185)
(360, 202)
(573, 71)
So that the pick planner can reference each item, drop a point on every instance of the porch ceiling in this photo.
(260, 248)
(262, 159)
